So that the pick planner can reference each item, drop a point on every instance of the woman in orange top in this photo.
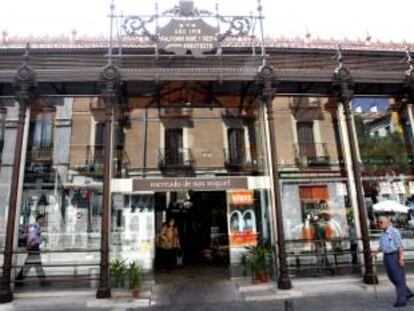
(169, 242)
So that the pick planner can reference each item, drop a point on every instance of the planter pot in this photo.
(135, 292)
(260, 277)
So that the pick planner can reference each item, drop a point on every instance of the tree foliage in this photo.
(381, 154)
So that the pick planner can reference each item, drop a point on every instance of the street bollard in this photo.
(288, 305)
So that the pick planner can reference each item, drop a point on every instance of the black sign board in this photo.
(185, 184)
(182, 35)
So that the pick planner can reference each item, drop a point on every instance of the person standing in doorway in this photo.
(34, 239)
(174, 241)
(391, 246)
(163, 247)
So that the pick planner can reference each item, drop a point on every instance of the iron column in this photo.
(25, 82)
(109, 95)
(266, 74)
(343, 84)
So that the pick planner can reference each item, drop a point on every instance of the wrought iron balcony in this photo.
(176, 158)
(39, 154)
(310, 154)
(93, 163)
(176, 112)
(236, 113)
(238, 162)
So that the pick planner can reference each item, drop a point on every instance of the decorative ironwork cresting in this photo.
(187, 30)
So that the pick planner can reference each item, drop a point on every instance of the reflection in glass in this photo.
(384, 130)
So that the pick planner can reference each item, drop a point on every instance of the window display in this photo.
(133, 228)
(318, 222)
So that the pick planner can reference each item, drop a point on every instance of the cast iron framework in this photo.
(224, 28)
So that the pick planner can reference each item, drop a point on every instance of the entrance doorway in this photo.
(201, 220)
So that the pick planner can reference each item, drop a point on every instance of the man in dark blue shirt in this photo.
(391, 246)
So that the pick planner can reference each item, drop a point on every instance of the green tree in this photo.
(380, 155)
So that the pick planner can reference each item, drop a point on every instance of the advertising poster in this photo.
(242, 219)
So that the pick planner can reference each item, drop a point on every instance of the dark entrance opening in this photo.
(201, 220)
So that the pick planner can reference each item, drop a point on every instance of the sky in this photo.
(383, 20)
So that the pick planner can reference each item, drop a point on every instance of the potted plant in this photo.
(117, 270)
(256, 258)
(134, 272)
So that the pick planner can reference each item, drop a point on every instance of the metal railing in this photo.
(239, 161)
(237, 113)
(91, 160)
(176, 158)
(310, 154)
(329, 257)
(39, 154)
(176, 112)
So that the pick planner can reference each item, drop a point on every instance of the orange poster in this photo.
(242, 219)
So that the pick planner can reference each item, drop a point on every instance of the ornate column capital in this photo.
(343, 84)
(342, 81)
(25, 79)
(267, 77)
(110, 81)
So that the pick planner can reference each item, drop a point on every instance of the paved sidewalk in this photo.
(336, 294)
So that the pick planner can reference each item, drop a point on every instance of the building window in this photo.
(388, 130)
(41, 129)
(40, 143)
(174, 152)
(306, 139)
(236, 151)
(97, 152)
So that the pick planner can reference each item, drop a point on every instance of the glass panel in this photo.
(63, 183)
(318, 217)
(384, 129)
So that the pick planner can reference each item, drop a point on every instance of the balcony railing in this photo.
(176, 158)
(310, 154)
(176, 112)
(236, 113)
(238, 162)
(40, 154)
(93, 163)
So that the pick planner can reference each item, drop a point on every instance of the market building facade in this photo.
(242, 142)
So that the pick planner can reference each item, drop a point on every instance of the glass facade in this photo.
(207, 155)
(385, 136)
(318, 215)
(212, 160)
(63, 182)
(208, 169)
